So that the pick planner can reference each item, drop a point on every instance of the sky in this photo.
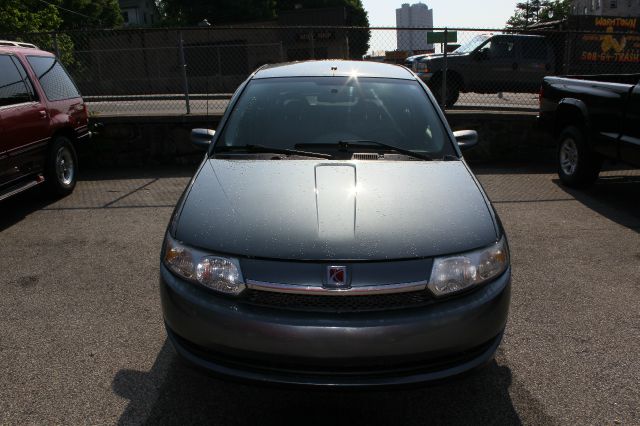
(450, 13)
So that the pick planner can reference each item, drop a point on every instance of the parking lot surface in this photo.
(160, 106)
(82, 337)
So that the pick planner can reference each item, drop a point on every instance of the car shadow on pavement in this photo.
(613, 196)
(146, 172)
(16, 208)
(173, 393)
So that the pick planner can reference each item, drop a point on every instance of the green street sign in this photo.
(438, 37)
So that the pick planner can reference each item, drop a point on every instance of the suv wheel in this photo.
(61, 168)
(578, 166)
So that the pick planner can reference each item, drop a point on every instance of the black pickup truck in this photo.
(488, 64)
(593, 118)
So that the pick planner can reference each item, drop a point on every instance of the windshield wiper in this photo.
(349, 145)
(270, 150)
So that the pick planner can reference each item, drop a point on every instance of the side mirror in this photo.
(202, 138)
(466, 139)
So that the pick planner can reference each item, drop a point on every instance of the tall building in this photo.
(414, 16)
(622, 8)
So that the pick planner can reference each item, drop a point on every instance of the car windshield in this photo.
(472, 44)
(287, 113)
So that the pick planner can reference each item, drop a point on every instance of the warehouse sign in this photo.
(629, 24)
(609, 45)
(317, 35)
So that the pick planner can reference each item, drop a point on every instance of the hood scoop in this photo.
(336, 201)
(365, 156)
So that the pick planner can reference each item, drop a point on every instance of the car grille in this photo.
(323, 303)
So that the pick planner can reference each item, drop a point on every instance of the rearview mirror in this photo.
(202, 138)
(466, 139)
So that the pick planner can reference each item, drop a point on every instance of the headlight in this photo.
(215, 272)
(452, 274)
(421, 66)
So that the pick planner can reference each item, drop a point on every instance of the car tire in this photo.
(453, 91)
(61, 168)
(578, 165)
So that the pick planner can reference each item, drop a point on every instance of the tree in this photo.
(21, 16)
(30, 16)
(526, 13)
(356, 16)
(538, 11)
(555, 10)
(190, 12)
(81, 14)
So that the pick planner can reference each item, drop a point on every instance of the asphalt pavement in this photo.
(82, 339)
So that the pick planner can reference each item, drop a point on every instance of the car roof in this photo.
(334, 68)
(25, 51)
(21, 47)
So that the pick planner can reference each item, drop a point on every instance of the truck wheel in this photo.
(453, 91)
(578, 166)
(61, 168)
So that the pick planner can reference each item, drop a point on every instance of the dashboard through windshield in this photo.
(285, 113)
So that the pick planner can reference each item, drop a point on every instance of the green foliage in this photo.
(190, 12)
(555, 10)
(29, 16)
(20, 16)
(220, 12)
(33, 21)
(98, 14)
(538, 11)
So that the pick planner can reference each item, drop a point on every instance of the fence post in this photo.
(219, 69)
(54, 35)
(313, 45)
(444, 69)
(346, 41)
(281, 52)
(183, 66)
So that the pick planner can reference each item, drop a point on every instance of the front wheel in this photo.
(453, 91)
(61, 170)
(578, 166)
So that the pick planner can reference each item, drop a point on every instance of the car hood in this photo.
(436, 56)
(315, 210)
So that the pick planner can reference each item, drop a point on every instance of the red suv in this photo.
(42, 117)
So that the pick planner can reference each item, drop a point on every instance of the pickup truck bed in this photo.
(593, 118)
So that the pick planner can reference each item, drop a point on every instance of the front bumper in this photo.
(227, 337)
(425, 76)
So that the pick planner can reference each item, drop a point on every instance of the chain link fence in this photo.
(195, 70)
